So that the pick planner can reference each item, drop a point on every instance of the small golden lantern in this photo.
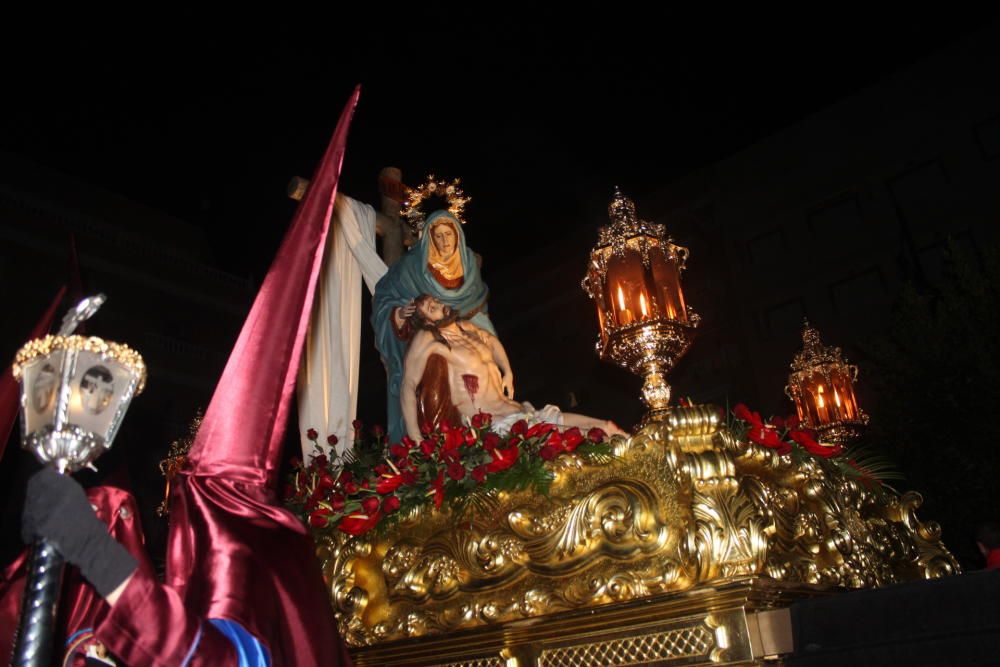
(822, 386)
(634, 278)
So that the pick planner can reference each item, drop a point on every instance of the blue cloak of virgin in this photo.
(407, 279)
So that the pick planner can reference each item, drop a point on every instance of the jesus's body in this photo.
(479, 374)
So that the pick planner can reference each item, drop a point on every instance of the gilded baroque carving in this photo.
(681, 504)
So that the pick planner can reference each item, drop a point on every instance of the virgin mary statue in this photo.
(440, 264)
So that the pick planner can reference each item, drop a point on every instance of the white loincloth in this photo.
(550, 414)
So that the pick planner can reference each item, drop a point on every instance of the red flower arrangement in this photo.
(787, 438)
(373, 483)
(781, 435)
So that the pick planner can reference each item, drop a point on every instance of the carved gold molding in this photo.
(682, 504)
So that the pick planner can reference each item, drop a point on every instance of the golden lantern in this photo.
(822, 386)
(634, 278)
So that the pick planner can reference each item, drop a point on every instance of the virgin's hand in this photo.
(507, 385)
(403, 313)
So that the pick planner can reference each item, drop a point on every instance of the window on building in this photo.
(768, 248)
(862, 299)
(784, 317)
(836, 221)
(926, 203)
(988, 138)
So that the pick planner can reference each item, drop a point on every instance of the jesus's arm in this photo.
(502, 362)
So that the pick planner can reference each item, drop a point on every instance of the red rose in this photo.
(777, 422)
(548, 452)
(312, 434)
(807, 439)
(555, 439)
(743, 412)
(482, 419)
(793, 421)
(408, 442)
(390, 504)
(479, 474)
(358, 524)
(520, 427)
(491, 441)
(544, 428)
(456, 471)
(426, 428)
(571, 439)
(453, 439)
(378, 431)
(370, 504)
(320, 518)
(388, 483)
(296, 462)
(320, 461)
(350, 488)
(345, 477)
(337, 502)
(358, 426)
(596, 435)
(450, 455)
(366, 484)
(503, 458)
(427, 447)
(326, 481)
(762, 435)
(399, 451)
(381, 469)
(409, 477)
(470, 438)
(438, 486)
(332, 440)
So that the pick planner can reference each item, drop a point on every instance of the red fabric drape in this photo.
(80, 606)
(234, 552)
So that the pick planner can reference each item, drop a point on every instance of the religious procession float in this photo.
(478, 530)
(475, 530)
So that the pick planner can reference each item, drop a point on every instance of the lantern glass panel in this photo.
(828, 397)
(625, 288)
(666, 276)
(43, 380)
(98, 387)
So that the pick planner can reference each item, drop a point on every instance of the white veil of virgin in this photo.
(328, 379)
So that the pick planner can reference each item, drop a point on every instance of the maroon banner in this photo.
(234, 552)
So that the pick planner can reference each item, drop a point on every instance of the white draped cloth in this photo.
(328, 379)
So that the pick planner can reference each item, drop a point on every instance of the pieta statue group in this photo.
(440, 349)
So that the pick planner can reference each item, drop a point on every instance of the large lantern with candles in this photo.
(822, 386)
(634, 278)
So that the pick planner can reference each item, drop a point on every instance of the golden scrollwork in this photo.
(681, 504)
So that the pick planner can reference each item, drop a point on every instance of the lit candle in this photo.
(836, 399)
(823, 411)
(642, 305)
(624, 314)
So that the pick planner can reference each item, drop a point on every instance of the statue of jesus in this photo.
(477, 373)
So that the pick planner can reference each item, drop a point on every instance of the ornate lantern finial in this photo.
(822, 386)
(634, 280)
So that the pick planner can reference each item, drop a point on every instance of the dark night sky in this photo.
(540, 111)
